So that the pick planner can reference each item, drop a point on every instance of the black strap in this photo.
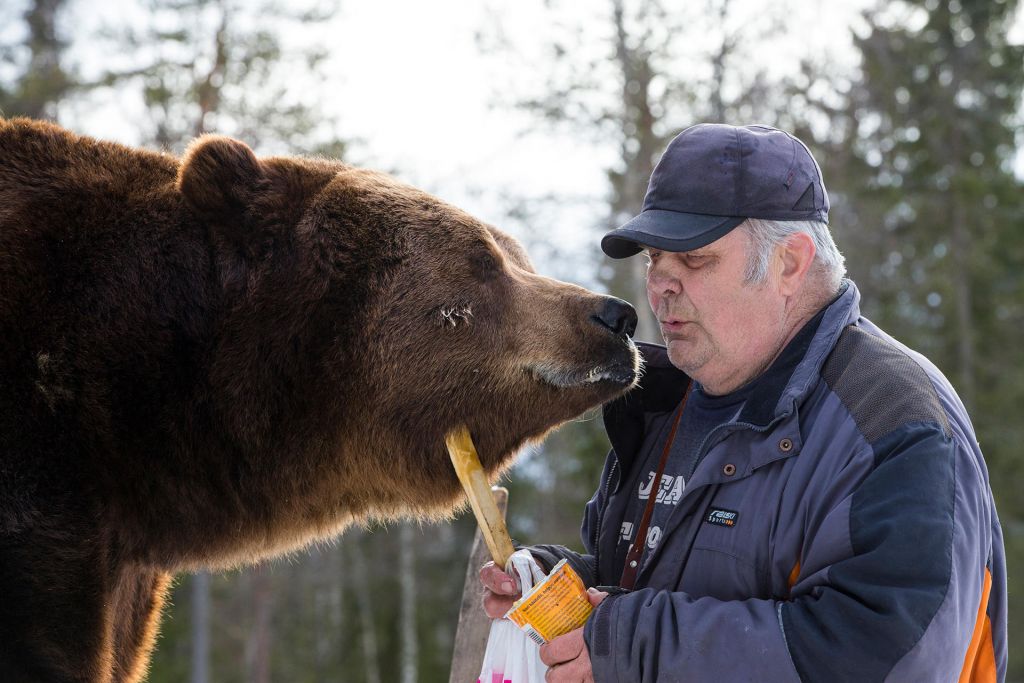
(636, 550)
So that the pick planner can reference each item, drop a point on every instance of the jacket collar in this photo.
(785, 385)
(660, 389)
(842, 312)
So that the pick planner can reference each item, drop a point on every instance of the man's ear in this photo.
(219, 178)
(795, 256)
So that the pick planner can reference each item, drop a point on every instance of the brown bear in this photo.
(220, 358)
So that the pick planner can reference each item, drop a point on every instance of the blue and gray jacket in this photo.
(841, 528)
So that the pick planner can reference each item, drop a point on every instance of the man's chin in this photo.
(683, 355)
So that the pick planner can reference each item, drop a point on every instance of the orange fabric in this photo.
(794, 575)
(980, 661)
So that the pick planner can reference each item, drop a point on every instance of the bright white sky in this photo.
(423, 98)
(407, 78)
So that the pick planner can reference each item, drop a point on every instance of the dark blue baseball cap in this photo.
(711, 178)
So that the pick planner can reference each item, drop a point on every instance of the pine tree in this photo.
(40, 77)
(223, 66)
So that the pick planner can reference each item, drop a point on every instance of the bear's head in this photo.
(361, 319)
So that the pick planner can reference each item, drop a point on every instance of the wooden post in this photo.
(474, 625)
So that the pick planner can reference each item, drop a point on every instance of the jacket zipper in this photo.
(600, 515)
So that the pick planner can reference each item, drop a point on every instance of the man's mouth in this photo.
(674, 324)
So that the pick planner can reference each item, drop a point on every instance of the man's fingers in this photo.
(497, 605)
(567, 659)
(595, 596)
(576, 671)
(500, 590)
(563, 648)
(497, 581)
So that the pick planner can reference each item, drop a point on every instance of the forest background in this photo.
(546, 117)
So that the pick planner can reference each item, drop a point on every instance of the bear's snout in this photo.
(616, 315)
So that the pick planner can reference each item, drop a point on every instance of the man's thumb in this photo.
(595, 596)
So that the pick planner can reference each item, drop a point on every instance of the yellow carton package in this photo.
(555, 606)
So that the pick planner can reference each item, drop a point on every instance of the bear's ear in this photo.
(219, 178)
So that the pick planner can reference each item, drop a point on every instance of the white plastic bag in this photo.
(511, 657)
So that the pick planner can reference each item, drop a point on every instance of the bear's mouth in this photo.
(562, 377)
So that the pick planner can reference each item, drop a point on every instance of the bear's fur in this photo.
(216, 359)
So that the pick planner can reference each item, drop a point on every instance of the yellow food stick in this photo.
(478, 490)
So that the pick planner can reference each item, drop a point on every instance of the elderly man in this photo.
(792, 495)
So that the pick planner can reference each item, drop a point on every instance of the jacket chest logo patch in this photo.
(722, 517)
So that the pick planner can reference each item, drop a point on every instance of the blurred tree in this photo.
(925, 155)
(226, 66)
(200, 669)
(367, 614)
(407, 612)
(38, 78)
(919, 152)
(259, 643)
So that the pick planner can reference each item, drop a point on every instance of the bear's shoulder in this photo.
(33, 151)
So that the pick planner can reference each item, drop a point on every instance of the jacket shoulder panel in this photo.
(880, 384)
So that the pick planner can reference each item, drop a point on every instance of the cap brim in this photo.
(667, 230)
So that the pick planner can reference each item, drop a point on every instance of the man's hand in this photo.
(500, 590)
(567, 656)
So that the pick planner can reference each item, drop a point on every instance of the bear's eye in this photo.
(485, 266)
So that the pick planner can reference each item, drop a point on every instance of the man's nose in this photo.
(661, 283)
(616, 315)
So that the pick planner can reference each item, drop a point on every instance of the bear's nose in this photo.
(616, 315)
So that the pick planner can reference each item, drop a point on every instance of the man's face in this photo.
(718, 329)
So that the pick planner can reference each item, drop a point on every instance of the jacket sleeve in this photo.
(859, 619)
(548, 556)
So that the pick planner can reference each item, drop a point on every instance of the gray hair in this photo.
(765, 235)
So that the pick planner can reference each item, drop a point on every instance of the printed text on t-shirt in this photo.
(670, 489)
